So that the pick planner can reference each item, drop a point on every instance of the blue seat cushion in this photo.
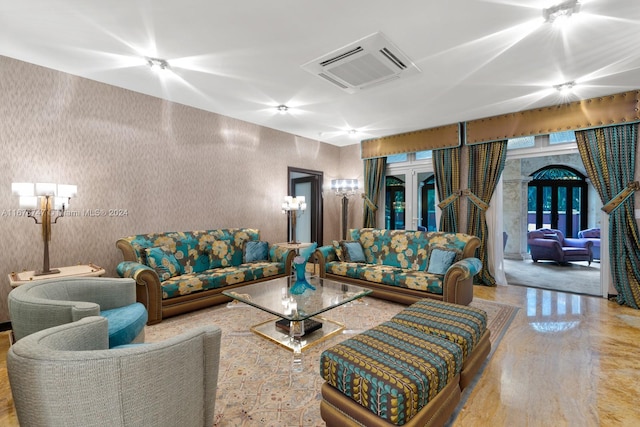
(125, 323)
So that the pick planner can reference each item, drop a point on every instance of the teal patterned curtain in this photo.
(374, 178)
(446, 166)
(486, 162)
(609, 157)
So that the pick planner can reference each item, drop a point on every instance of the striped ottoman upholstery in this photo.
(392, 370)
(460, 324)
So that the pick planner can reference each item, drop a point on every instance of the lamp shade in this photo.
(23, 189)
(67, 191)
(28, 202)
(45, 189)
(344, 186)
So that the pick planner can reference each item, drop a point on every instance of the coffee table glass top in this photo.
(274, 296)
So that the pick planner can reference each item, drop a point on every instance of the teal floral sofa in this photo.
(404, 266)
(177, 272)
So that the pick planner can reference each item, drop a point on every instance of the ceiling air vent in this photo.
(365, 63)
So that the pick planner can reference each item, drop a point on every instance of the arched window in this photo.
(558, 198)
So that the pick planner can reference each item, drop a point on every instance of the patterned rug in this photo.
(256, 386)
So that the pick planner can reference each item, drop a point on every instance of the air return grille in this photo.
(365, 63)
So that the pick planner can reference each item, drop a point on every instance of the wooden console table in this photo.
(80, 270)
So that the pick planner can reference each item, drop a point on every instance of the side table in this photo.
(80, 270)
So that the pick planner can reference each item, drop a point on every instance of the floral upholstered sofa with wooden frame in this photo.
(404, 266)
(178, 272)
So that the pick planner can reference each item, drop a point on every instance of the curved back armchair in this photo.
(46, 303)
(67, 376)
(550, 244)
(592, 234)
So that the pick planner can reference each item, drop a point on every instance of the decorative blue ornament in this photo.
(301, 284)
(300, 264)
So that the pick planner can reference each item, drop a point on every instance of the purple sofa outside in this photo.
(592, 234)
(550, 244)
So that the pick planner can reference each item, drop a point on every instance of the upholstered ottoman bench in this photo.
(463, 325)
(390, 375)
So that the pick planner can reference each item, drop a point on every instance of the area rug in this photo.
(574, 277)
(256, 386)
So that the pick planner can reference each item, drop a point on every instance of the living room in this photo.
(161, 165)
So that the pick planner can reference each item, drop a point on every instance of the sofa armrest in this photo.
(323, 255)
(545, 243)
(148, 289)
(457, 285)
(577, 243)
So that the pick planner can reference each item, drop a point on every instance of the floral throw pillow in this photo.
(162, 260)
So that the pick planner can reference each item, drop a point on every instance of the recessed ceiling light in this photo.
(561, 11)
(352, 133)
(282, 109)
(157, 63)
(565, 88)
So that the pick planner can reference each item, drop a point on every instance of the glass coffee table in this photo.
(298, 324)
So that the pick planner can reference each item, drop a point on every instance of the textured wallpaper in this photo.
(141, 165)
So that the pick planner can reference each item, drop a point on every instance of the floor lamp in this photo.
(48, 201)
(291, 206)
(344, 188)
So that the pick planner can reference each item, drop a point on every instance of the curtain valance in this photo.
(427, 139)
(579, 115)
(591, 113)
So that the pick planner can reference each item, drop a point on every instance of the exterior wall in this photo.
(167, 166)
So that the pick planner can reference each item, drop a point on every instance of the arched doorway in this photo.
(558, 198)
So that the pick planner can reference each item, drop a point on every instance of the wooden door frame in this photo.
(316, 208)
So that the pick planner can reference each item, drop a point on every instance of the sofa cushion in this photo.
(219, 277)
(220, 254)
(348, 269)
(392, 370)
(352, 251)
(162, 260)
(255, 250)
(385, 274)
(440, 260)
(460, 324)
(125, 323)
(419, 280)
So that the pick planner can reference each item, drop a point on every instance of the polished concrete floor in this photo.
(566, 360)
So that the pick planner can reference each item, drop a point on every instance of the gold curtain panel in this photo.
(589, 113)
(410, 142)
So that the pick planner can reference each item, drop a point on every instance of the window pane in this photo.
(422, 155)
(395, 203)
(397, 158)
(562, 137)
(524, 142)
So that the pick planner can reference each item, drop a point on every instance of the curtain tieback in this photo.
(475, 199)
(447, 201)
(466, 192)
(620, 198)
(367, 201)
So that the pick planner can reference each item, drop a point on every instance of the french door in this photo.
(410, 200)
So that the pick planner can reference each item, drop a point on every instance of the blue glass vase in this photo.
(301, 284)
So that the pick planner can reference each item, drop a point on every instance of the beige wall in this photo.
(171, 167)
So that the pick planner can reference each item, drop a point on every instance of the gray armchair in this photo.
(43, 304)
(67, 376)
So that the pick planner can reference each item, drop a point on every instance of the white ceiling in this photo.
(242, 58)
